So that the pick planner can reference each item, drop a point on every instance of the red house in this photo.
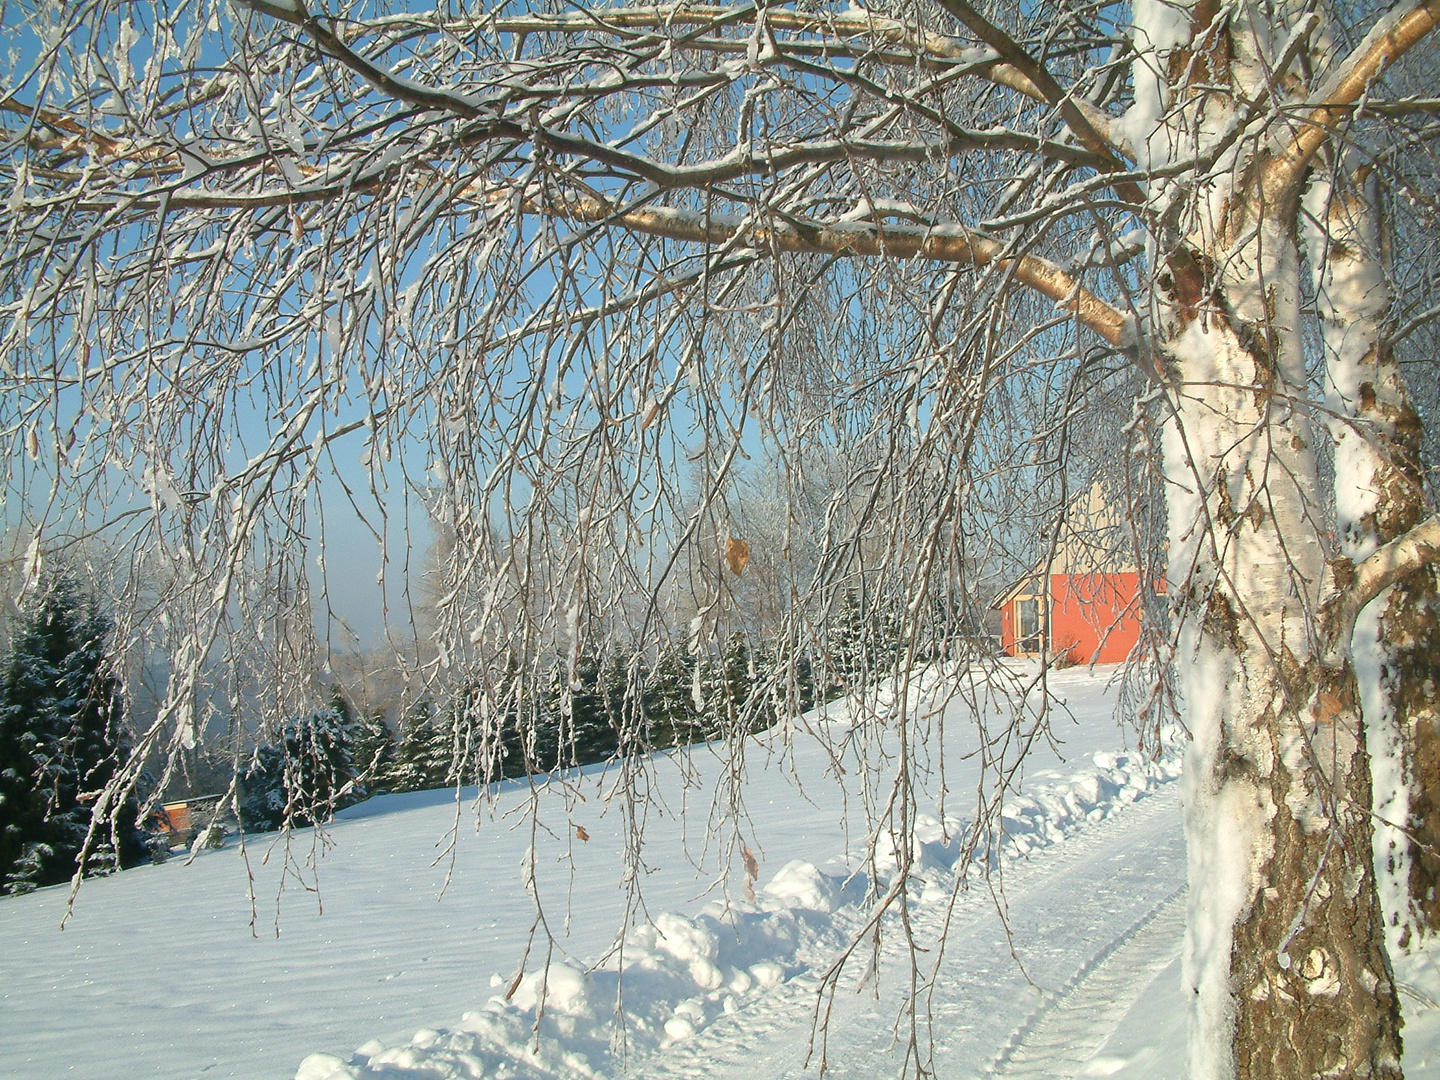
(1084, 604)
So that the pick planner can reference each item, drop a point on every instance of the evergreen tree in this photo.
(423, 750)
(799, 684)
(532, 740)
(847, 645)
(549, 741)
(61, 741)
(306, 776)
(669, 699)
(864, 642)
(628, 727)
(708, 702)
(485, 743)
(583, 708)
(771, 697)
(735, 672)
(437, 750)
(374, 754)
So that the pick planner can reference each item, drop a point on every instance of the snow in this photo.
(1353, 299)
(1158, 28)
(276, 8)
(386, 947)
(1222, 858)
(1212, 455)
(1390, 786)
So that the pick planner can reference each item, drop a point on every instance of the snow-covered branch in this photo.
(846, 33)
(1089, 127)
(849, 33)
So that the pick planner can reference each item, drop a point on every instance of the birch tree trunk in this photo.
(1284, 956)
(1379, 496)
(1284, 951)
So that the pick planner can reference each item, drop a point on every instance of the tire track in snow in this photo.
(1067, 1030)
(1111, 886)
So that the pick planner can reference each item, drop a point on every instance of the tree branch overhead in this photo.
(568, 307)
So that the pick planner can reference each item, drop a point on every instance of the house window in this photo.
(1027, 623)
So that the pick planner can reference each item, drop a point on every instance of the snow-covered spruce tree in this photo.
(302, 776)
(61, 741)
(422, 751)
(669, 698)
(584, 263)
(373, 753)
(736, 679)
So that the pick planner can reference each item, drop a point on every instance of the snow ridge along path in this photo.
(742, 970)
(1091, 921)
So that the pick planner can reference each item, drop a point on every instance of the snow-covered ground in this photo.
(394, 960)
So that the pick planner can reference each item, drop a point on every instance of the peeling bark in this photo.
(1410, 628)
(1285, 953)
(1380, 497)
(1309, 962)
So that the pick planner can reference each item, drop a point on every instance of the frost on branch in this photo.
(552, 307)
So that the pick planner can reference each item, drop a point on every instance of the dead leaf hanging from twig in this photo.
(737, 554)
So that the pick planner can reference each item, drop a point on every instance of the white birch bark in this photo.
(1277, 767)
(1379, 495)
(1277, 756)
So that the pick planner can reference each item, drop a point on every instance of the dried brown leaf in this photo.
(752, 871)
(737, 554)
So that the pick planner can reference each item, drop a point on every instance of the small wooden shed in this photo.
(181, 821)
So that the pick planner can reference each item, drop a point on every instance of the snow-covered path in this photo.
(1069, 1034)
(1096, 924)
(1093, 921)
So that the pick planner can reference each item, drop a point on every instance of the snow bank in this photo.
(1115, 780)
(677, 975)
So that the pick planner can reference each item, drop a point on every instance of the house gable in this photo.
(1084, 602)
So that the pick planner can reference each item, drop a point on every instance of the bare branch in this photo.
(842, 28)
(943, 243)
(1395, 561)
(1080, 121)
(1399, 31)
